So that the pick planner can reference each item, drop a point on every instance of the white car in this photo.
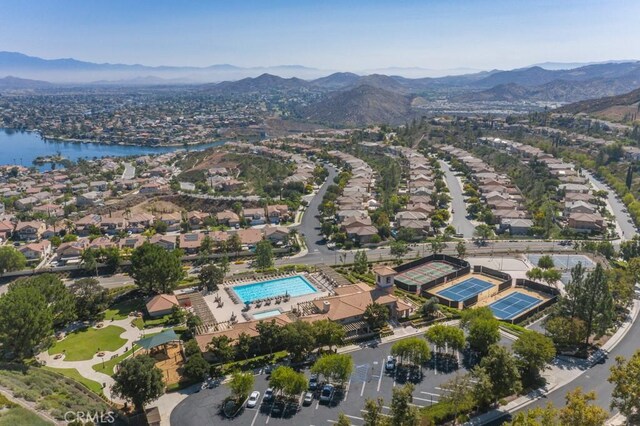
(253, 399)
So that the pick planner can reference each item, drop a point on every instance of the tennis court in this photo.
(564, 261)
(425, 273)
(465, 289)
(513, 305)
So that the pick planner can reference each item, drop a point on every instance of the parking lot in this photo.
(369, 380)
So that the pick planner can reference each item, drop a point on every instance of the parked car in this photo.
(253, 399)
(390, 364)
(308, 398)
(327, 393)
(268, 395)
(313, 382)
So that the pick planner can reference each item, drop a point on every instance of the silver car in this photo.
(253, 399)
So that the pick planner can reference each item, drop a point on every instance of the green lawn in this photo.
(18, 416)
(121, 310)
(109, 365)
(72, 373)
(148, 322)
(82, 345)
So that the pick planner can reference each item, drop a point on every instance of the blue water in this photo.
(293, 286)
(21, 148)
(266, 314)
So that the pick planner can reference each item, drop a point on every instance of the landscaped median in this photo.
(83, 344)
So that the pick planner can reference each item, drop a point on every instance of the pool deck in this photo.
(229, 308)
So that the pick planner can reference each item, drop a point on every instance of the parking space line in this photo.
(421, 399)
(363, 385)
(346, 392)
(317, 404)
(255, 416)
(429, 393)
(354, 417)
(380, 378)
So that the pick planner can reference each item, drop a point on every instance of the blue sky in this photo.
(327, 34)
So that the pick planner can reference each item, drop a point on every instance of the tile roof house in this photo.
(249, 237)
(585, 222)
(191, 242)
(35, 251)
(227, 217)
(30, 230)
(161, 304)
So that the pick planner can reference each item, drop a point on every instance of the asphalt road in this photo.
(310, 225)
(624, 219)
(129, 171)
(459, 221)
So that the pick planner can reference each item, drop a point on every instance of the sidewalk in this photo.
(563, 371)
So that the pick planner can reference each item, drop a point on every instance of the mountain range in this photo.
(341, 98)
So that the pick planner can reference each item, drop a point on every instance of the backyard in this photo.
(84, 344)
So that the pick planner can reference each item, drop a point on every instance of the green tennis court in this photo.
(425, 273)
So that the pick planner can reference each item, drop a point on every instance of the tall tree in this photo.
(360, 262)
(403, 413)
(534, 351)
(398, 249)
(335, 368)
(437, 245)
(502, 369)
(287, 381)
(328, 333)
(221, 348)
(625, 376)
(372, 415)
(11, 259)
(25, 320)
(91, 298)
(376, 315)
(269, 334)
(240, 385)
(234, 244)
(156, 270)
(264, 255)
(629, 178)
(243, 345)
(57, 296)
(138, 380)
(211, 277)
(299, 339)
(461, 249)
(579, 410)
(458, 392)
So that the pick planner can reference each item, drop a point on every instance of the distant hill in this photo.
(336, 81)
(15, 83)
(263, 83)
(359, 106)
(622, 108)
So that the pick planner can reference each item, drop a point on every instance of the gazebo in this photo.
(160, 340)
(166, 348)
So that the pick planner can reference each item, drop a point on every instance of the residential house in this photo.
(191, 242)
(278, 213)
(362, 234)
(516, 226)
(196, 219)
(137, 223)
(578, 207)
(276, 234)
(250, 237)
(6, 229)
(113, 224)
(25, 203)
(132, 242)
(84, 225)
(585, 222)
(91, 198)
(228, 218)
(254, 216)
(36, 251)
(30, 230)
(167, 242)
(172, 220)
(161, 305)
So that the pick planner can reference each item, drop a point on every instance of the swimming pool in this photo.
(293, 286)
(266, 314)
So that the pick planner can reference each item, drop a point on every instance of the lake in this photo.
(21, 148)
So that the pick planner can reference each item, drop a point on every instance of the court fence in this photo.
(505, 279)
(532, 285)
(463, 269)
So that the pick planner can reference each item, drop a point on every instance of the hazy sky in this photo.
(326, 34)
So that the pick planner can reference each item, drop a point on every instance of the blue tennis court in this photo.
(465, 289)
(513, 305)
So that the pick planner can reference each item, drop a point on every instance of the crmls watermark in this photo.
(96, 418)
